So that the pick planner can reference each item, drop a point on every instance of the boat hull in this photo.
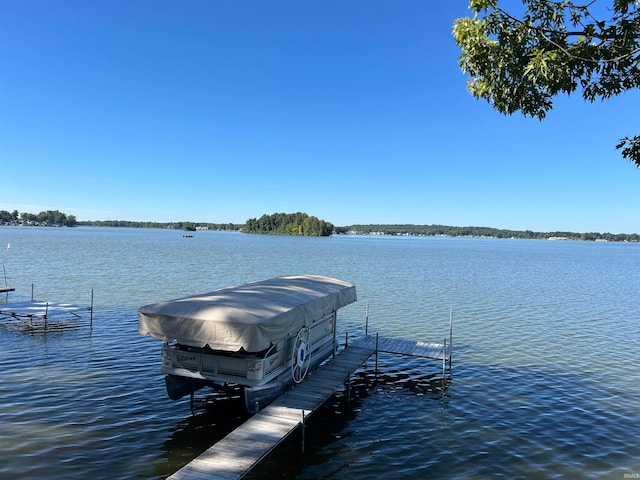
(178, 387)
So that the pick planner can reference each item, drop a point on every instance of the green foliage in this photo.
(187, 226)
(449, 231)
(289, 224)
(48, 218)
(521, 62)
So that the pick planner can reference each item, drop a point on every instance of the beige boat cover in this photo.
(250, 316)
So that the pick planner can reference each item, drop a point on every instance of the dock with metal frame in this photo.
(236, 454)
(42, 315)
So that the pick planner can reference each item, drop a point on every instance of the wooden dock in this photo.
(236, 454)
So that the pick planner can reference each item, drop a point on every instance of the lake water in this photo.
(545, 370)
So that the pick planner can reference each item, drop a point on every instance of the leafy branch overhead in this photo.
(520, 62)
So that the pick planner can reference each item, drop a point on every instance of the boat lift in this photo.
(43, 316)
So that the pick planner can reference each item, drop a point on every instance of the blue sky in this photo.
(352, 111)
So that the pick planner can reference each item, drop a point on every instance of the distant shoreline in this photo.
(396, 230)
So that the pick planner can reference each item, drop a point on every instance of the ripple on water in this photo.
(545, 378)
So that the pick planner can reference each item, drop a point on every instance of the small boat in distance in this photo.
(263, 336)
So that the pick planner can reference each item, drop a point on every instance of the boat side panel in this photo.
(246, 369)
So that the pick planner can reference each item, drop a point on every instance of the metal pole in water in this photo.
(366, 320)
(376, 353)
(46, 311)
(302, 431)
(450, 338)
(444, 360)
(5, 279)
(335, 332)
(91, 311)
(348, 386)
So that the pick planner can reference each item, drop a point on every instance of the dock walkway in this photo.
(236, 454)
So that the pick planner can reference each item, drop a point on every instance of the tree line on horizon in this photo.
(187, 226)
(46, 218)
(449, 231)
(305, 225)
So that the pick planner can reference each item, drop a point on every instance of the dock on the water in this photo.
(41, 315)
(236, 454)
(38, 309)
(6, 289)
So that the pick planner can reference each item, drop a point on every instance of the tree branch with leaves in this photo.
(519, 63)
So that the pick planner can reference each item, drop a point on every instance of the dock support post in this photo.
(5, 282)
(335, 333)
(32, 292)
(348, 386)
(366, 320)
(376, 353)
(46, 312)
(450, 339)
(444, 361)
(91, 311)
(302, 431)
(451, 326)
(346, 339)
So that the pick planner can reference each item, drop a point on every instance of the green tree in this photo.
(27, 217)
(288, 224)
(521, 61)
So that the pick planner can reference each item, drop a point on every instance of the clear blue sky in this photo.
(352, 111)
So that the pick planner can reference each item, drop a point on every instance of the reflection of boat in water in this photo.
(264, 336)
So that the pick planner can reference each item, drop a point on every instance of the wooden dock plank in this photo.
(235, 454)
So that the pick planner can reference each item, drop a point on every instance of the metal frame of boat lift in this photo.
(44, 311)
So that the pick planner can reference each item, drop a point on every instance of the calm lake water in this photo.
(545, 370)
